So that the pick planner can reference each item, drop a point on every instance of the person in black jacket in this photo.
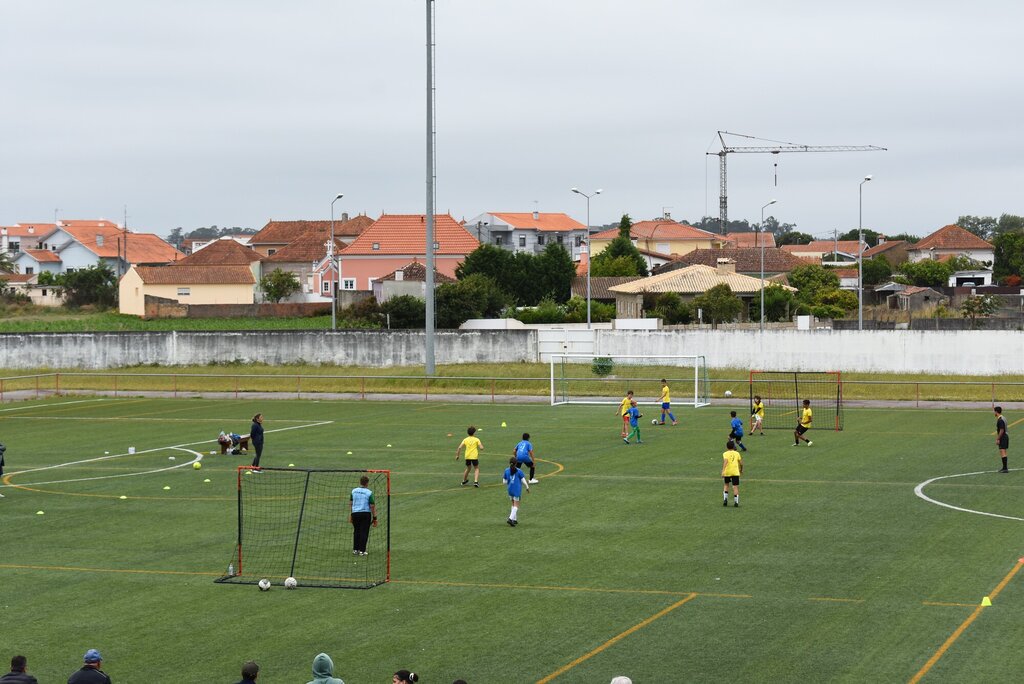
(250, 671)
(90, 672)
(18, 674)
(256, 437)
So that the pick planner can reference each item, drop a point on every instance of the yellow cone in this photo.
(986, 601)
(503, 424)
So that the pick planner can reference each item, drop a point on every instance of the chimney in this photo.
(536, 215)
(344, 216)
(881, 239)
(725, 265)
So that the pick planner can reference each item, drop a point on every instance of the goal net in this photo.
(783, 392)
(591, 379)
(295, 523)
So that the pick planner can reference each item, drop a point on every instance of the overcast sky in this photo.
(235, 112)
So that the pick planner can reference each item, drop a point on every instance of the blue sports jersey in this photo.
(737, 427)
(515, 482)
(361, 500)
(634, 416)
(523, 450)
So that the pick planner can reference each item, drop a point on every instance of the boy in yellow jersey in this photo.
(623, 410)
(757, 416)
(804, 425)
(732, 468)
(473, 447)
(666, 403)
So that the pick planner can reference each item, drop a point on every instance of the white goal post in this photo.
(605, 379)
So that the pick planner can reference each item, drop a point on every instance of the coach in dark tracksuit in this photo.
(256, 437)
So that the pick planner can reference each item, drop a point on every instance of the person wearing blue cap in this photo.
(90, 673)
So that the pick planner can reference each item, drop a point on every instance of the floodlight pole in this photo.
(760, 326)
(428, 350)
(596, 192)
(334, 270)
(860, 253)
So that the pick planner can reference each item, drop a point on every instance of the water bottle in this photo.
(231, 569)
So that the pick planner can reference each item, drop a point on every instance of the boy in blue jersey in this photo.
(634, 422)
(515, 480)
(736, 433)
(362, 513)
(524, 456)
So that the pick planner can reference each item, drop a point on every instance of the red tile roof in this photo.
(751, 239)
(146, 248)
(884, 247)
(17, 277)
(544, 222)
(32, 229)
(312, 246)
(195, 275)
(105, 239)
(87, 223)
(285, 232)
(222, 253)
(825, 247)
(952, 237)
(748, 260)
(660, 230)
(845, 272)
(43, 256)
(40, 228)
(406, 234)
(598, 285)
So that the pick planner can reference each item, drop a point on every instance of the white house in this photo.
(528, 232)
(952, 241)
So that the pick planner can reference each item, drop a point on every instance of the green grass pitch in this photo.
(624, 562)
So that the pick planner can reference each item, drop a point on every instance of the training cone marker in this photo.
(122, 497)
(170, 458)
(167, 486)
(350, 453)
(291, 465)
(986, 601)
(389, 446)
(212, 453)
(449, 434)
(503, 424)
(106, 453)
(206, 481)
(40, 513)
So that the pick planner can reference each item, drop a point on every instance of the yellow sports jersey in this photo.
(731, 462)
(472, 445)
(624, 405)
(665, 398)
(805, 417)
(759, 409)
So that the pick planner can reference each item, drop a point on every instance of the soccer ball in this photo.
(654, 421)
(197, 465)
(728, 393)
(264, 584)
(290, 583)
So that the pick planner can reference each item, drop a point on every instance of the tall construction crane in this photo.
(777, 147)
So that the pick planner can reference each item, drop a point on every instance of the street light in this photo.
(860, 253)
(334, 270)
(596, 192)
(760, 326)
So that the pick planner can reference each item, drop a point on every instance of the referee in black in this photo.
(1002, 439)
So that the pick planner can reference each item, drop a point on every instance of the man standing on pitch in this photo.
(1002, 438)
(806, 417)
(256, 437)
(362, 513)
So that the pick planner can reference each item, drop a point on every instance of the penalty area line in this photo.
(919, 491)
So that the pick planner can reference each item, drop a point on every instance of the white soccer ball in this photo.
(654, 421)
(264, 585)
(728, 393)
(290, 583)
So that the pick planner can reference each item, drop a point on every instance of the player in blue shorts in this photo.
(736, 434)
(524, 456)
(515, 480)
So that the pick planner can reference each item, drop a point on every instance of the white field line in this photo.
(198, 457)
(62, 403)
(146, 451)
(919, 490)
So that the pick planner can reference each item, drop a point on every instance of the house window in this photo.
(13, 246)
(560, 238)
(497, 240)
(578, 241)
(522, 240)
(326, 286)
(348, 283)
(376, 245)
(29, 270)
(271, 252)
(540, 239)
(183, 292)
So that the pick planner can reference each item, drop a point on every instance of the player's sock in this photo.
(725, 497)
(736, 499)
(533, 471)
(672, 417)
(515, 513)
(1004, 462)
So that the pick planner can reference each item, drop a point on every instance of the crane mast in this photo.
(777, 147)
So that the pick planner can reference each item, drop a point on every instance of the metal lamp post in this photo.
(334, 270)
(860, 253)
(596, 192)
(760, 326)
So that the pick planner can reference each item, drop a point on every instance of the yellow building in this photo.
(187, 285)
(661, 237)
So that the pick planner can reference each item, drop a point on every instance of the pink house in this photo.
(396, 239)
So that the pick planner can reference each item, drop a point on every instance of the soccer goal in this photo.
(294, 522)
(591, 379)
(783, 392)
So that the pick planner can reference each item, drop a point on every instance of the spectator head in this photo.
(405, 677)
(93, 657)
(998, 410)
(19, 663)
(459, 681)
(323, 666)
(622, 680)
(258, 418)
(250, 670)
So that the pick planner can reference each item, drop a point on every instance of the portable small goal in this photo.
(294, 522)
(783, 392)
(594, 379)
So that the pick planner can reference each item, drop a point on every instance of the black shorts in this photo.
(733, 435)
(1004, 441)
(528, 464)
(473, 462)
(801, 429)
(732, 479)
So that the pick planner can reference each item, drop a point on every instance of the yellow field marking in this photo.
(615, 639)
(948, 605)
(829, 599)
(964, 625)
(1016, 422)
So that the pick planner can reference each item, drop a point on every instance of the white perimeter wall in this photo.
(985, 353)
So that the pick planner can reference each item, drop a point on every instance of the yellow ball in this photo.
(197, 465)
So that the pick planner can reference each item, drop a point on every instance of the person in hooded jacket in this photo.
(323, 670)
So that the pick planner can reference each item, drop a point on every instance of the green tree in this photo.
(876, 270)
(279, 284)
(576, 311)
(810, 281)
(975, 306)
(405, 312)
(719, 304)
(555, 271)
(1009, 255)
(906, 237)
(492, 301)
(779, 303)
(926, 273)
(1010, 223)
(454, 305)
(491, 261)
(670, 308)
(48, 278)
(870, 236)
(792, 237)
(626, 227)
(7, 263)
(623, 266)
(982, 226)
(96, 286)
